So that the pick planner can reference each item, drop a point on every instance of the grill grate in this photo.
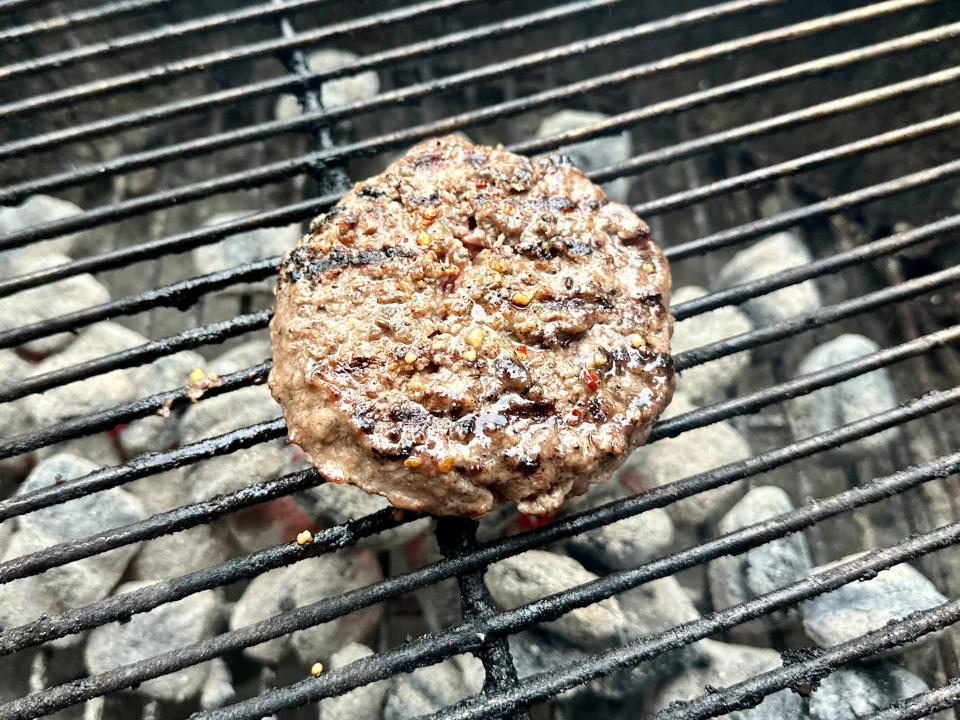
(755, 51)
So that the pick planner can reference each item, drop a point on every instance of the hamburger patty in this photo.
(470, 327)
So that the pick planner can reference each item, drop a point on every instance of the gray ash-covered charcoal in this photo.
(365, 702)
(164, 628)
(857, 691)
(14, 420)
(47, 301)
(217, 689)
(334, 504)
(41, 209)
(77, 583)
(692, 452)
(709, 383)
(593, 154)
(625, 543)
(339, 91)
(431, 688)
(243, 248)
(160, 431)
(845, 402)
(95, 393)
(860, 607)
(726, 664)
(302, 583)
(534, 574)
(738, 578)
(766, 257)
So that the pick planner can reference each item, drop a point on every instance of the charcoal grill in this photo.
(721, 93)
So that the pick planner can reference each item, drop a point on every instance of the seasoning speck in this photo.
(304, 537)
(413, 462)
(316, 669)
(590, 379)
(521, 299)
(475, 338)
(197, 374)
(445, 464)
(423, 239)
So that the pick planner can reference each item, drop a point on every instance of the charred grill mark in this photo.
(321, 220)
(303, 262)
(409, 414)
(394, 451)
(464, 428)
(551, 247)
(370, 191)
(354, 365)
(364, 417)
(652, 360)
(596, 409)
(579, 303)
(528, 465)
(532, 409)
(424, 200)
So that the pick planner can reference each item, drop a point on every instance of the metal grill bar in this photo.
(7, 5)
(174, 69)
(115, 123)
(789, 218)
(142, 466)
(737, 294)
(111, 417)
(820, 111)
(141, 354)
(126, 676)
(922, 705)
(165, 523)
(697, 418)
(277, 171)
(185, 241)
(179, 294)
(725, 347)
(181, 242)
(468, 563)
(81, 17)
(406, 94)
(751, 692)
(456, 537)
(823, 316)
(200, 513)
(546, 684)
(795, 166)
(466, 638)
(138, 41)
(187, 291)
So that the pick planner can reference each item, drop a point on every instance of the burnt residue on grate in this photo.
(785, 546)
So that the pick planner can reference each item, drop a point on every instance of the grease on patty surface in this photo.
(470, 327)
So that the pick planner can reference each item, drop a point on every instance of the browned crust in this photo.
(471, 327)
